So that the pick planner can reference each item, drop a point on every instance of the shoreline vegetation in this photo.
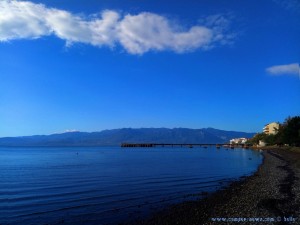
(270, 196)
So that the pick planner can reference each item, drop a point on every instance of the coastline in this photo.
(270, 196)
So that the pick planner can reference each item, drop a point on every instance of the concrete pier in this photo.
(150, 145)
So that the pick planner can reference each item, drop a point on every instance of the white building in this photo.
(261, 143)
(238, 140)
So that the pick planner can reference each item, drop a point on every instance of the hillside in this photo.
(117, 136)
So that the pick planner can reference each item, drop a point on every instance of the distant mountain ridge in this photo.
(130, 135)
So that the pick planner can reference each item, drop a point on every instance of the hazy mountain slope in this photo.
(118, 136)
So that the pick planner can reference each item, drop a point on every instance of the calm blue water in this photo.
(106, 185)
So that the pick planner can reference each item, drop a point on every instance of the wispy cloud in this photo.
(67, 131)
(137, 34)
(289, 69)
(292, 5)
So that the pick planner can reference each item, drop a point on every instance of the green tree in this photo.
(255, 140)
(290, 131)
(270, 139)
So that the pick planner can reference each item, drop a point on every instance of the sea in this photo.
(111, 185)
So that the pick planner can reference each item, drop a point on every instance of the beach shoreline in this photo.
(270, 196)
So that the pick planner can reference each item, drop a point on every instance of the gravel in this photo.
(270, 196)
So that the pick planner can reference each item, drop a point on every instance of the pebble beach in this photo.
(270, 196)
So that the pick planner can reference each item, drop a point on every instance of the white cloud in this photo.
(147, 31)
(22, 20)
(67, 131)
(137, 34)
(289, 69)
(74, 29)
(71, 131)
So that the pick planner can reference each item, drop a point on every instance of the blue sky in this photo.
(73, 65)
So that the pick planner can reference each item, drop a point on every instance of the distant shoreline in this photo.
(272, 193)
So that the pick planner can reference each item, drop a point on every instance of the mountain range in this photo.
(127, 135)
